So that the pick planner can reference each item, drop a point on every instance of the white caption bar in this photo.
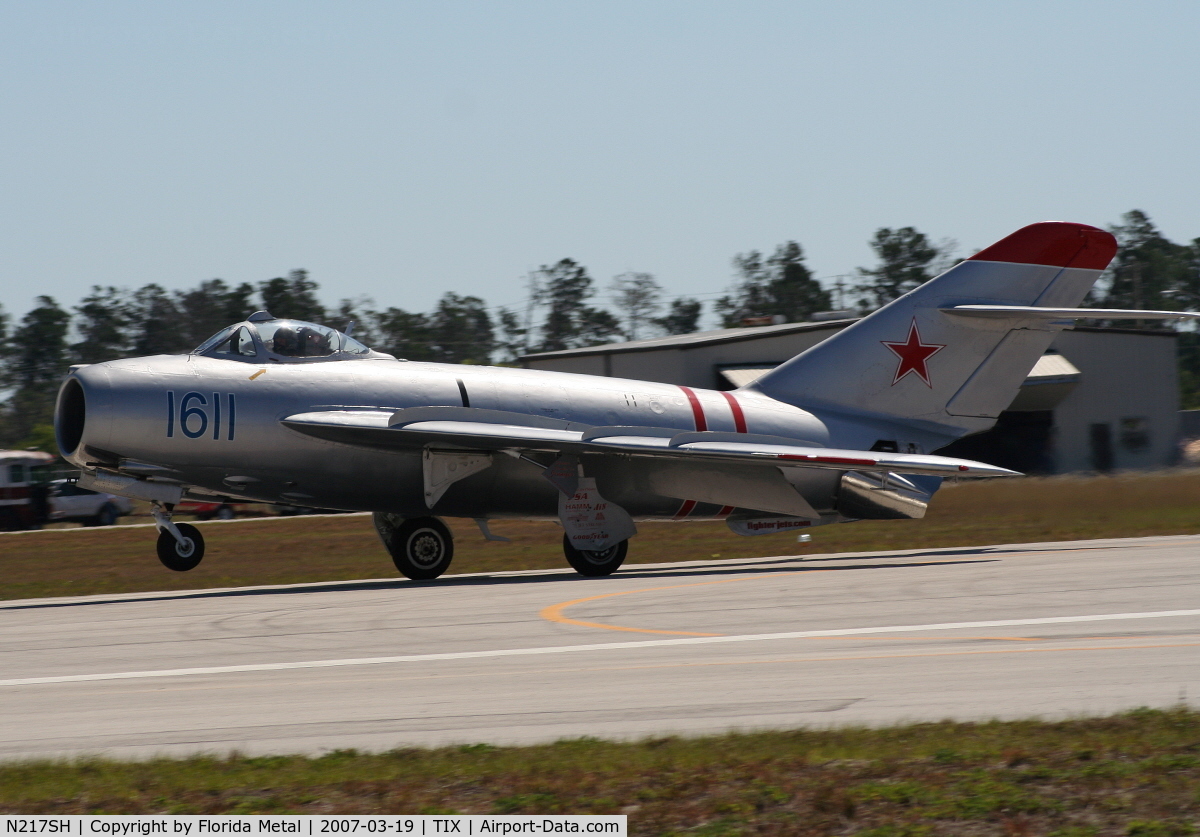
(469, 825)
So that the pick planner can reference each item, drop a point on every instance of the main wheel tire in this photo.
(177, 556)
(105, 516)
(421, 547)
(225, 513)
(595, 562)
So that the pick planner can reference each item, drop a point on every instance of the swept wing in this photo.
(496, 430)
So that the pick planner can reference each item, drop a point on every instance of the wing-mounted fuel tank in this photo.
(888, 496)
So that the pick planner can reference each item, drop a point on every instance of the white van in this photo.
(27, 500)
(23, 505)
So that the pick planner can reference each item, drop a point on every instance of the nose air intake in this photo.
(70, 416)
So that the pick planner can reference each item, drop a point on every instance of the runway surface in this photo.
(1049, 630)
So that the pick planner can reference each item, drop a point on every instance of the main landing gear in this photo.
(595, 562)
(180, 545)
(421, 547)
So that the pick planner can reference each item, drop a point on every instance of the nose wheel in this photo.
(180, 545)
(421, 547)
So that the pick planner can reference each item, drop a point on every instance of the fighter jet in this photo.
(281, 411)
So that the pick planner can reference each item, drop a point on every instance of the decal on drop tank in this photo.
(590, 521)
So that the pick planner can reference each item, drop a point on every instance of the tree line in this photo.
(560, 312)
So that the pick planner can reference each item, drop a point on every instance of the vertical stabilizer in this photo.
(951, 375)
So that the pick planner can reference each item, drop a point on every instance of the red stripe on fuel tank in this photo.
(685, 509)
(739, 418)
(697, 409)
(826, 460)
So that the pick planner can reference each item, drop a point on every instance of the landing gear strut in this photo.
(595, 562)
(180, 545)
(421, 547)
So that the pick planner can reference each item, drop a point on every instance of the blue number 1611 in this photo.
(195, 414)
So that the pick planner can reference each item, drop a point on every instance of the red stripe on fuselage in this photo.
(739, 418)
(697, 409)
(725, 510)
(685, 509)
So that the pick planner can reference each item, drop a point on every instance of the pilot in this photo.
(313, 343)
(286, 342)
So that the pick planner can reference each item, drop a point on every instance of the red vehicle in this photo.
(212, 511)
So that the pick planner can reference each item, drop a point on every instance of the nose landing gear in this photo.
(180, 545)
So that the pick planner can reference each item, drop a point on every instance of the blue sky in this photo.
(404, 149)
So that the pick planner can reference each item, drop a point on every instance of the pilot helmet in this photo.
(286, 342)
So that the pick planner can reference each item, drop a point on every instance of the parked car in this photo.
(69, 502)
(211, 511)
(284, 510)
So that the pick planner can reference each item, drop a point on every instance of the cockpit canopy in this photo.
(263, 337)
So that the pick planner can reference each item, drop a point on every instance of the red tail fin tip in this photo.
(1054, 243)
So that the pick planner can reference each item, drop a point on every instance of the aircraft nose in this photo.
(80, 417)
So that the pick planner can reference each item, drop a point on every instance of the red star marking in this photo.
(913, 354)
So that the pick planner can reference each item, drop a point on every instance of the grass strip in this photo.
(336, 548)
(1135, 774)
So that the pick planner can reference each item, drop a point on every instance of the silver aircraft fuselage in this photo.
(214, 425)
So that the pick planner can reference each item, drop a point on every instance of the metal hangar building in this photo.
(1101, 399)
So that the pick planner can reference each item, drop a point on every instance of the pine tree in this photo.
(103, 320)
(781, 286)
(461, 330)
(513, 341)
(1148, 270)
(355, 317)
(36, 358)
(637, 296)
(404, 334)
(795, 293)
(210, 306)
(294, 297)
(597, 326)
(157, 323)
(682, 317)
(565, 288)
(907, 259)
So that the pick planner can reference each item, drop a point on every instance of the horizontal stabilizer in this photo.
(1031, 312)
(372, 429)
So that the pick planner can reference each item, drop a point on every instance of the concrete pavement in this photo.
(1049, 630)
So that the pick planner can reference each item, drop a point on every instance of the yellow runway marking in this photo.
(554, 613)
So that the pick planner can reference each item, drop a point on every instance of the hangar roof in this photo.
(733, 335)
(695, 339)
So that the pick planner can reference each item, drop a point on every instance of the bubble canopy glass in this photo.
(281, 340)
